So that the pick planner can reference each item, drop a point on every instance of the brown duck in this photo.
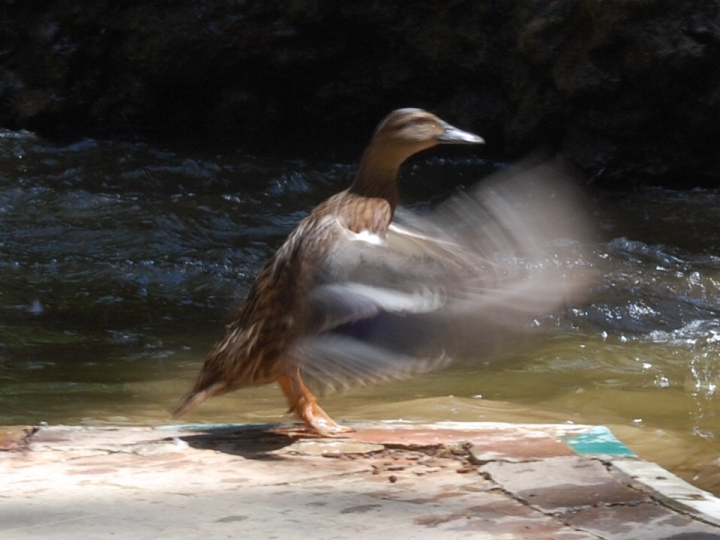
(267, 342)
(363, 292)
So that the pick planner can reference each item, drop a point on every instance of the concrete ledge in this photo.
(444, 480)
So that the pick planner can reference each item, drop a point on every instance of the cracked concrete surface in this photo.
(480, 481)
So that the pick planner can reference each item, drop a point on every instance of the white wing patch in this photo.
(368, 237)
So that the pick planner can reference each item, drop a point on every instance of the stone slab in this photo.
(394, 480)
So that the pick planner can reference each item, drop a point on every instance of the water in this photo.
(120, 263)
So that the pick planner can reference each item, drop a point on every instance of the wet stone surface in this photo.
(563, 483)
(384, 480)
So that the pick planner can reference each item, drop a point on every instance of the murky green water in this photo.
(120, 263)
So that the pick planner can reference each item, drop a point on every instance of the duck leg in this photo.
(304, 403)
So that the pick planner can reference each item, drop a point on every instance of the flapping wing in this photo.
(334, 361)
(466, 280)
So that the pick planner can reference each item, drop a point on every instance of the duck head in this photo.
(414, 130)
(401, 134)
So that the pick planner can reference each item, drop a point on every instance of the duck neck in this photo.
(377, 176)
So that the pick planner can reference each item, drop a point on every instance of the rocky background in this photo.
(628, 90)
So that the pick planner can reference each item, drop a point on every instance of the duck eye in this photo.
(422, 121)
(416, 122)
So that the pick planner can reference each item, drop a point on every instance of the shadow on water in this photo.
(120, 263)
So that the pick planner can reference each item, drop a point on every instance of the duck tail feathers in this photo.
(196, 398)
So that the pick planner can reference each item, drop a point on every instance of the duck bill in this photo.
(453, 135)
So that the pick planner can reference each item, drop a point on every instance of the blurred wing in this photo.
(336, 304)
(469, 279)
(337, 362)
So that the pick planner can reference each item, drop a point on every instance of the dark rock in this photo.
(629, 90)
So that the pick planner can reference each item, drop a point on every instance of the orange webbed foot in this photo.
(318, 420)
(305, 405)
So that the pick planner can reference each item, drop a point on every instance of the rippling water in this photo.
(120, 263)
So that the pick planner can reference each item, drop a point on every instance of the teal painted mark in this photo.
(597, 440)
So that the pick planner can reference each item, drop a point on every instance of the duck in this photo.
(364, 291)
(269, 339)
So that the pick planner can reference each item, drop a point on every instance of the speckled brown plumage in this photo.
(275, 314)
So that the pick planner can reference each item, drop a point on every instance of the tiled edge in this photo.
(600, 442)
(675, 491)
